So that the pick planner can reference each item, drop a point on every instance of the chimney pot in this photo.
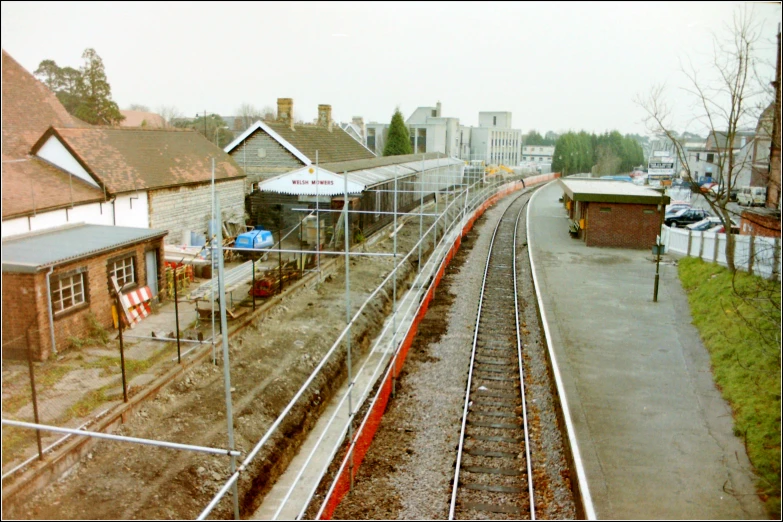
(285, 111)
(325, 116)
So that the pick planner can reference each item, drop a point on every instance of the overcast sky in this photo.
(555, 66)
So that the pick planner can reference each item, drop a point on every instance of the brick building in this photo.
(55, 280)
(614, 213)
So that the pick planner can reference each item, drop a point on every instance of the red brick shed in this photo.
(53, 280)
(613, 213)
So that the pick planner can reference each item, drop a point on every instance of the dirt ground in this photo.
(269, 362)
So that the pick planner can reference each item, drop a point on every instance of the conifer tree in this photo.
(399, 141)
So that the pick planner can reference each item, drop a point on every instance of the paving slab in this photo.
(655, 435)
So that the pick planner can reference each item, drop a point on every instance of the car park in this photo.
(686, 217)
(675, 207)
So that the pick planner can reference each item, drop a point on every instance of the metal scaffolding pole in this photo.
(212, 265)
(394, 298)
(348, 321)
(226, 366)
(421, 210)
(317, 220)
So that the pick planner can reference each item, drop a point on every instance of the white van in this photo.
(750, 196)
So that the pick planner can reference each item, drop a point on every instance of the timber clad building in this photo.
(614, 213)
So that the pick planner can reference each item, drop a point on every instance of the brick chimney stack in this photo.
(285, 111)
(325, 116)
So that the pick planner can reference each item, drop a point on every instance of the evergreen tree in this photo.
(399, 141)
(85, 93)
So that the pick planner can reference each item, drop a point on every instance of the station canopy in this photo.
(310, 181)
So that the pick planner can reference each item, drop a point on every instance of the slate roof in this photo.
(31, 185)
(376, 161)
(33, 252)
(333, 146)
(129, 159)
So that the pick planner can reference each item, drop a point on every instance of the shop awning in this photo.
(310, 181)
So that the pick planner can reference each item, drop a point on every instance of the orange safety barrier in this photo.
(364, 436)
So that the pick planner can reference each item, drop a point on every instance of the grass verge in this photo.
(739, 320)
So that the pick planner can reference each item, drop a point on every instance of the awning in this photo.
(307, 182)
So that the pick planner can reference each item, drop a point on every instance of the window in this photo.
(371, 139)
(710, 158)
(605, 209)
(697, 156)
(434, 113)
(67, 292)
(122, 268)
(494, 120)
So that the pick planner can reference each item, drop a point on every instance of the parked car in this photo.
(750, 196)
(733, 194)
(708, 187)
(705, 224)
(720, 229)
(686, 217)
(676, 206)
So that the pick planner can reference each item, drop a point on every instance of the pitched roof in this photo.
(136, 118)
(32, 185)
(378, 161)
(336, 145)
(32, 252)
(29, 108)
(128, 159)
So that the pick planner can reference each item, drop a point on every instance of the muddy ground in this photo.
(269, 362)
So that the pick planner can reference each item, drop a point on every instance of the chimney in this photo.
(325, 116)
(437, 109)
(359, 122)
(285, 111)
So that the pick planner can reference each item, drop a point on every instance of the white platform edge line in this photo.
(580, 472)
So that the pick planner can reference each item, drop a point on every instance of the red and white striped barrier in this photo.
(137, 303)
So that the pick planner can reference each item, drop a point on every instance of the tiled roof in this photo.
(128, 159)
(32, 252)
(31, 185)
(29, 108)
(136, 118)
(336, 145)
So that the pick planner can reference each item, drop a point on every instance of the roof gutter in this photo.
(51, 315)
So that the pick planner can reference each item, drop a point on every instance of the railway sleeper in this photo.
(492, 508)
(501, 426)
(507, 370)
(494, 413)
(494, 378)
(495, 454)
(508, 472)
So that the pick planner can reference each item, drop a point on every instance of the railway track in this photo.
(493, 478)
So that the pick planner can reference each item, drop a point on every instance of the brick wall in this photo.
(19, 314)
(190, 207)
(625, 225)
(276, 159)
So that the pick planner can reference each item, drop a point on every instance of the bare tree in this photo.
(724, 106)
(246, 115)
(138, 107)
(268, 113)
(169, 113)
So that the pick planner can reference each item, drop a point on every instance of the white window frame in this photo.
(68, 289)
(128, 277)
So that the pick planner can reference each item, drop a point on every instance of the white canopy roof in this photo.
(302, 182)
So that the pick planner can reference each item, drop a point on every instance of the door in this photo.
(151, 261)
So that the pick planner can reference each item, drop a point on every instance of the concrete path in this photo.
(654, 433)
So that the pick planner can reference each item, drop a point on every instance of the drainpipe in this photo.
(51, 316)
(114, 212)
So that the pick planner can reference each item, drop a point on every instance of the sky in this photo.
(554, 65)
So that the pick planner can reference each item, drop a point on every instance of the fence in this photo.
(758, 255)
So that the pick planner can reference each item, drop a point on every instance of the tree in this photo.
(268, 113)
(96, 105)
(138, 107)
(398, 141)
(246, 115)
(170, 114)
(212, 127)
(725, 105)
(85, 93)
(533, 138)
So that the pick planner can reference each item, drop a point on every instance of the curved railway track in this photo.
(492, 477)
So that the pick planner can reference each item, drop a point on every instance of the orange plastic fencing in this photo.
(364, 436)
